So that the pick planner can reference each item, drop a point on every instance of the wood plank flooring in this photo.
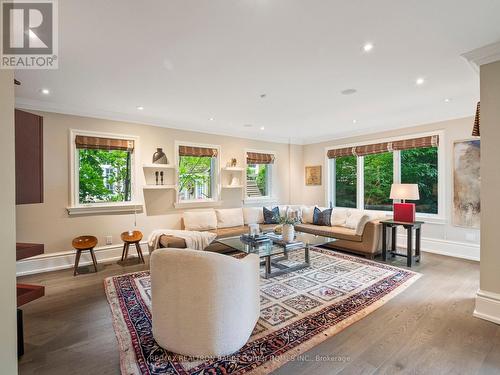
(427, 329)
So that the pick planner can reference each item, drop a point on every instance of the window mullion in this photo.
(360, 188)
(396, 166)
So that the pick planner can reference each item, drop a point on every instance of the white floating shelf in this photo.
(158, 187)
(158, 166)
(232, 187)
(234, 169)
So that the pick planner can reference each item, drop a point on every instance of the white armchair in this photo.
(203, 303)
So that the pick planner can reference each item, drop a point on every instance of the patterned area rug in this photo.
(298, 311)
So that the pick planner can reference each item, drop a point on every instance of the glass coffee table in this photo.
(271, 253)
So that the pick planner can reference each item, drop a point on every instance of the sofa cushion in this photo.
(339, 216)
(271, 216)
(308, 214)
(322, 217)
(229, 217)
(335, 232)
(253, 215)
(353, 218)
(200, 220)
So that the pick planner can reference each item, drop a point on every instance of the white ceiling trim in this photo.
(35, 105)
(483, 55)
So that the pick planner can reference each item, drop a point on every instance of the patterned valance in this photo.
(475, 130)
(378, 148)
(259, 158)
(198, 151)
(99, 143)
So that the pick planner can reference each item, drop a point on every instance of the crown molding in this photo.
(43, 106)
(483, 55)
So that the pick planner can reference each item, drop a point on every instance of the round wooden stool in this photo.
(83, 243)
(132, 237)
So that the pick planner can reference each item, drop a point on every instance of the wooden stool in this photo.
(83, 243)
(132, 237)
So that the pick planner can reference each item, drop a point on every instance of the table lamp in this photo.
(404, 211)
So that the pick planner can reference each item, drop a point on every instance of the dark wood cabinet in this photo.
(29, 157)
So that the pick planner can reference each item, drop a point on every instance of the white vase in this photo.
(288, 233)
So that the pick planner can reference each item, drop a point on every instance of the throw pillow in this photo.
(271, 216)
(307, 215)
(200, 220)
(322, 217)
(353, 218)
(229, 217)
(253, 215)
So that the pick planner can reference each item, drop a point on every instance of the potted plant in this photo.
(288, 232)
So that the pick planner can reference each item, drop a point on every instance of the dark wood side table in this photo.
(393, 225)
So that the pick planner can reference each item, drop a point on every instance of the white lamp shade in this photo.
(405, 191)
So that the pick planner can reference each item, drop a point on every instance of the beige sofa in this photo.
(355, 231)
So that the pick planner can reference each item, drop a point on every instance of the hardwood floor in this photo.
(427, 329)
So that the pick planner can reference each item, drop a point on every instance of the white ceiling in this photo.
(187, 61)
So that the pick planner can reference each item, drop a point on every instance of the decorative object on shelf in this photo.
(159, 157)
(233, 162)
(156, 176)
(313, 175)
(235, 181)
(404, 212)
(466, 183)
(161, 177)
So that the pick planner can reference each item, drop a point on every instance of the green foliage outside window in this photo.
(259, 174)
(420, 166)
(104, 176)
(195, 177)
(345, 181)
(378, 177)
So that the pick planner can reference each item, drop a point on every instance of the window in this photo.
(103, 170)
(378, 178)
(345, 181)
(197, 173)
(361, 176)
(259, 174)
(420, 166)
(258, 180)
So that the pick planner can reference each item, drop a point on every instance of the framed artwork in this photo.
(313, 175)
(466, 183)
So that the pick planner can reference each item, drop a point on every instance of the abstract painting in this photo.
(466, 183)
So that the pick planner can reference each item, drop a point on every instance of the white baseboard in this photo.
(464, 250)
(66, 259)
(487, 306)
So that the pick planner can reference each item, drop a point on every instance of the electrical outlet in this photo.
(109, 240)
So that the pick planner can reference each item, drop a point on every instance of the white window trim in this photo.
(267, 199)
(215, 200)
(438, 218)
(77, 208)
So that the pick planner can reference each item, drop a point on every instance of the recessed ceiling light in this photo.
(262, 128)
(447, 100)
(420, 81)
(354, 121)
(140, 107)
(263, 96)
(349, 91)
(45, 91)
(368, 47)
(211, 119)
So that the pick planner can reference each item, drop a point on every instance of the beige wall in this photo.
(453, 130)
(490, 178)
(49, 222)
(8, 346)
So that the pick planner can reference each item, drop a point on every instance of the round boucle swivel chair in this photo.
(203, 303)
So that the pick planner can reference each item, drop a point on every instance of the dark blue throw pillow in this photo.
(322, 217)
(271, 216)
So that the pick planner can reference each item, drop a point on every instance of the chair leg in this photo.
(77, 260)
(94, 260)
(127, 245)
(139, 252)
(123, 251)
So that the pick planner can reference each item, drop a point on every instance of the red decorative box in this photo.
(404, 212)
